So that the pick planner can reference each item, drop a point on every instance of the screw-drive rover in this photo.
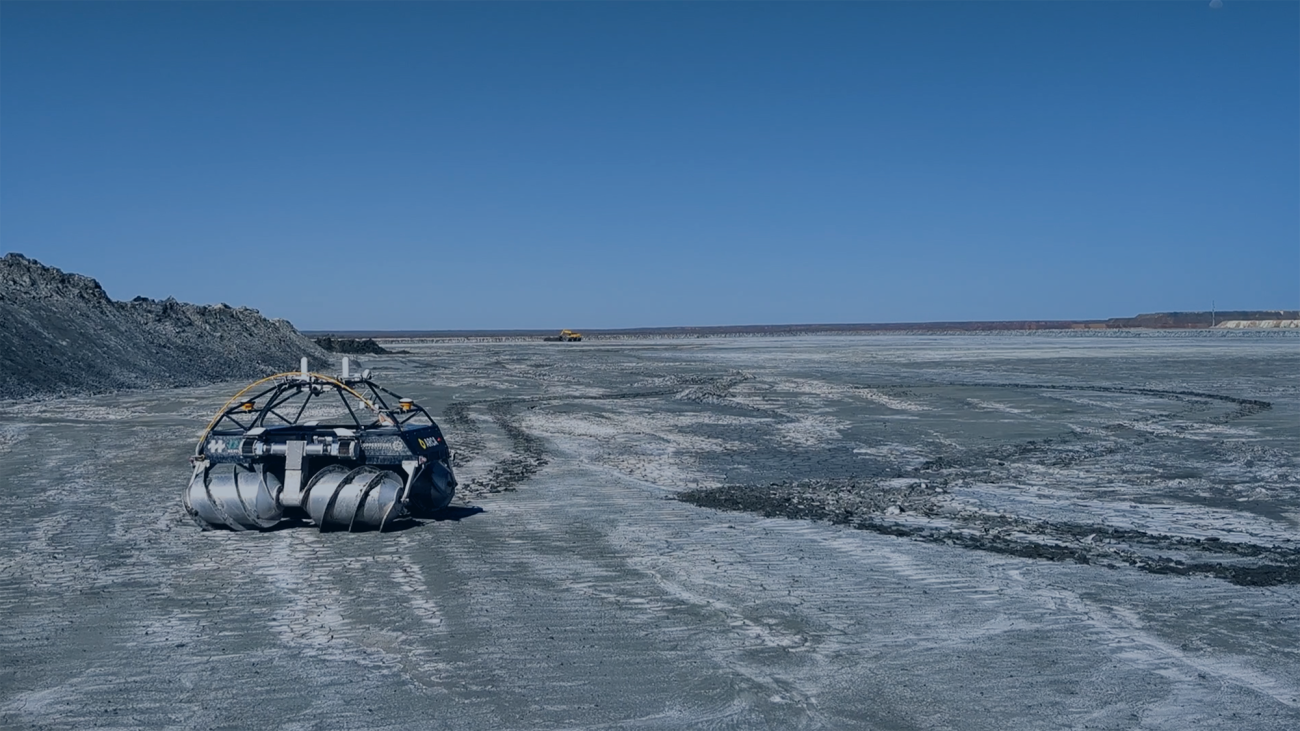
(264, 459)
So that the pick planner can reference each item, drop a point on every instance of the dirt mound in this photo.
(352, 346)
(60, 333)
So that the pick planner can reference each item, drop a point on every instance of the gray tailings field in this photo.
(892, 532)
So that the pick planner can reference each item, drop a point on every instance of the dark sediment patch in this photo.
(882, 507)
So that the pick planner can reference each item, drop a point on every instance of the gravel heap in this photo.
(351, 346)
(60, 333)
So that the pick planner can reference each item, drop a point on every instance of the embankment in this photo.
(60, 333)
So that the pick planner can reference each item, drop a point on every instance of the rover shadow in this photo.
(415, 519)
(455, 513)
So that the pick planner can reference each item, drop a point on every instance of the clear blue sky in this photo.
(495, 165)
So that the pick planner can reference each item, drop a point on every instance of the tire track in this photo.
(527, 455)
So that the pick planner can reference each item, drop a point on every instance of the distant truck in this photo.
(565, 336)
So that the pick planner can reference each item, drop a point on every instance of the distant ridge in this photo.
(1156, 320)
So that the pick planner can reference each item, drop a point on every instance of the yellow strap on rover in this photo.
(198, 449)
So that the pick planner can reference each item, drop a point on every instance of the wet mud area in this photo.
(1000, 498)
(1160, 480)
(948, 532)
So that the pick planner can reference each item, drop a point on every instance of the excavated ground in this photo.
(945, 532)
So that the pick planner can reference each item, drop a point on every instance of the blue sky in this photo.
(500, 165)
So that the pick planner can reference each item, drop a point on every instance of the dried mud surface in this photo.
(946, 532)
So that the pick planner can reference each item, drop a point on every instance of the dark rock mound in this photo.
(60, 333)
(352, 346)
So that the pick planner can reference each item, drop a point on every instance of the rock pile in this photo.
(60, 333)
(352, 346)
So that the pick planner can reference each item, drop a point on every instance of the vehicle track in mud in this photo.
(527, 453)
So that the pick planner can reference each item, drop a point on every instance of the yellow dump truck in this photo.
(565, 336)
